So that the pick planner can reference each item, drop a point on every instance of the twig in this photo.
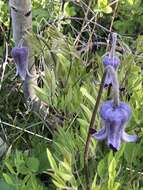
(84, 25)
(26, 131)
(86, 150)
(4, 64)
(110, 30)
(111, 25)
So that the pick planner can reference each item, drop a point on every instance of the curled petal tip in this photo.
(108, 80)
(129, 138)
(114, 138)
(101, 134)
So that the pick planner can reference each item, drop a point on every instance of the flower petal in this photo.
(21, 72)
(101, 134)
(129, 138)
(114, 136)
(20, 56)
(115, 61)
(120, 114)
(108, 80)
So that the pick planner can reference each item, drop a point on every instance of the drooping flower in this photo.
(114, 121)
(111, 59)
(20, 56)
(114, 62)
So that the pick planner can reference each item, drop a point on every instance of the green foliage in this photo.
(103, 6)
(69, 10)
(131, 24)
(21, 171)
(62, 175)
(69, 84)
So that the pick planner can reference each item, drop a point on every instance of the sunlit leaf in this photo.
(52, 160)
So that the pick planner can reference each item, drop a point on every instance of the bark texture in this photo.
(21, 14)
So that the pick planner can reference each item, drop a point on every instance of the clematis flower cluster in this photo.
(20, 56)
(114, 114)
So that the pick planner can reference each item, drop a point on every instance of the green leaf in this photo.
(64, 176)
(87, 95)
(4, 186)
(66, 167)
(94, 185)
(83, 122)
(120, 152)
(87, 111)
(104, 7)
(112, 174)
(107, 10)
(8, 179)
(33, 164)
(10, 168)
(52, 161)
(58, 179)
(131, 2)
(102, 168)
(69, 10)
(102, 3)
(59, 185)
(41, 94)
(112, 168)
(116, 185)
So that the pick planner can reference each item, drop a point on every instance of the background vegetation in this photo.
(70, 38)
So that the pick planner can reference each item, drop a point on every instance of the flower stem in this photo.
(112, 55)
(115, 84)
(86, 150)
(113, 48)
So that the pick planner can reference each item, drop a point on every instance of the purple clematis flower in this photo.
(20, 56)
(114, 62)
(114, 121)
(111, 59)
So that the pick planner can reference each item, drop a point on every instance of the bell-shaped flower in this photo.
(111, 59)
(114, 62)
(20, 56)
(114, 121)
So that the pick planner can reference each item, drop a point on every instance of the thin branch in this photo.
(86, 150)
(26, 131)
(4, 64)
(111, 25)
(110, 30)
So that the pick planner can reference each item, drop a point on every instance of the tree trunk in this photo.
(21, 13)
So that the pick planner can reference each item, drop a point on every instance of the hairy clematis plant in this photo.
(111, 59)
(114, 118)
(20, 56)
